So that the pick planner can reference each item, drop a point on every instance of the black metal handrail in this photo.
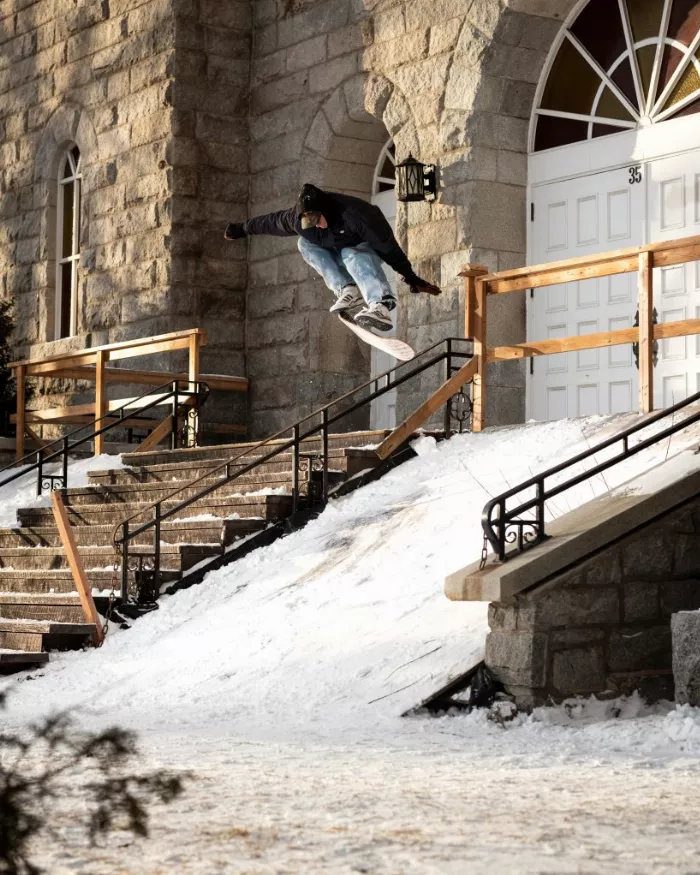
(504, 526)
(388, 381)
(41, 457)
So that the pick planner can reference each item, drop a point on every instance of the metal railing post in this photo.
(501, 529)
(540, 510)
(324, 436)
(295, 470)
(65, 463)
(448, 403)
(156, 545)
(125, 561)
(173, 435)
(39, 471)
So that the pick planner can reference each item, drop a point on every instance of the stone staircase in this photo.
(39, 606)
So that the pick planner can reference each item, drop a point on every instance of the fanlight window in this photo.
(68, 243)
(621, 64)
(385, 171)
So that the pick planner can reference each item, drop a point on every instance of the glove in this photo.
(416, 285)
(234, 231)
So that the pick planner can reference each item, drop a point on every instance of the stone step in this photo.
(203, 532)
(176, 557)
(13, 660)
(60, 581)
(340, 460)
(62, 608)
(181, 475)
(33, 636)
(265, 507)
(148, 493)
(223, 452)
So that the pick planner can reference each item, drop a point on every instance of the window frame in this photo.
(651, 104)
(69, 172)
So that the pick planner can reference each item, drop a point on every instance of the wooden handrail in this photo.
(665, 254)
(419, 417)
(172, 337)
(157, 435)
(90, 363)
(76, 565)
(57, 414)
(149, 378)
(639, 259)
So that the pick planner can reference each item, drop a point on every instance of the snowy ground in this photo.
(280, 681)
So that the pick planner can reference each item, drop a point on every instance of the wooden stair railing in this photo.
(90, 364)
(640, 259)
(420, 416)
(76, 565)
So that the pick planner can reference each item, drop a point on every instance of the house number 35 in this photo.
(635, 175)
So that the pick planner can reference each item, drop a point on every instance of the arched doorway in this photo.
(383, 413)
(614, 162)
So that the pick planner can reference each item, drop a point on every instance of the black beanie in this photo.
(312, 199)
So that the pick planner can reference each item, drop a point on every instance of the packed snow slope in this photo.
(337, 629)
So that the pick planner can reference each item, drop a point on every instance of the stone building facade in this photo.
(191, 113)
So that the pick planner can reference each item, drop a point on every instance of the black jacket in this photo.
(351, 221)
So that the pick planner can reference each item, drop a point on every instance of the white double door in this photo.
(614, 209)
(383, 409)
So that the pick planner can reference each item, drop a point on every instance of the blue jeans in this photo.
(354, 265)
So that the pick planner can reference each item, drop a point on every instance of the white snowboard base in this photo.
(391, 345)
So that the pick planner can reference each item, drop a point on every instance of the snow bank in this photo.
(333, 632)
(22, 492)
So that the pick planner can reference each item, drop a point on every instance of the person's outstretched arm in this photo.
(279, 224)
(377, 232)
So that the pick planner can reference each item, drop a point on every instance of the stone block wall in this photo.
(208, 152)
(605, 623)
(97, 74)
(191, 113)
(154, 93)
(451, 81)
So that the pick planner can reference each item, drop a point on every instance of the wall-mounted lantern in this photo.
(416, 181)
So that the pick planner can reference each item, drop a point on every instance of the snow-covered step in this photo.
(335, 441)
(58, 607)
(16, 659)
(37, 635)
(150, 493)
(342, 460)
(60, 580)
(267, 507)
(172, 556)
(199, 531)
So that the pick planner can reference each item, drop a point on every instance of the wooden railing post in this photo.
(479, 329)
(470, 272)
(193, 377)
(645, 281)
(19, 443)
(100, 399)
(75, 562)
(418, 418)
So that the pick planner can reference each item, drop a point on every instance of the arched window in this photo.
(67, 243)
(620, 64)
(385, 171)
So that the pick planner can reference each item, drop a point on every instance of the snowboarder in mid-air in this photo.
(345, 240)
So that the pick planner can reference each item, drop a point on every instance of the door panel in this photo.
(584, 216)
(674, 211)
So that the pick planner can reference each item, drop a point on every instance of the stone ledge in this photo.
(582, 532)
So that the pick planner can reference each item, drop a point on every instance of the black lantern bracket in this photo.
(416, 181)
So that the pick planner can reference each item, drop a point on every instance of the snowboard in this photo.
(391, 345)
